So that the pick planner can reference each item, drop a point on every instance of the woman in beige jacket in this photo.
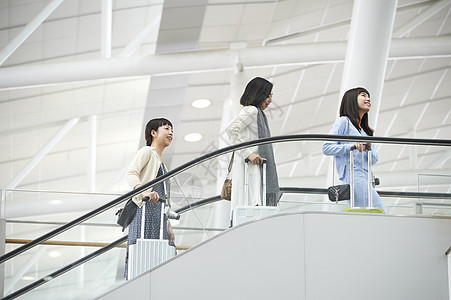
(146, 166)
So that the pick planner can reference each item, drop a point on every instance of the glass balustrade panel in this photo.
(300, 165)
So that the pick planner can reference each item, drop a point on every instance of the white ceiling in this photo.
(58, 77)
(415, 101)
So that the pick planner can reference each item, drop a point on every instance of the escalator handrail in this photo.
(323, 191)
(186, 208)
(96, 253)
(213, 154)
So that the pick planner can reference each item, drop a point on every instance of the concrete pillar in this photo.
(2, 240)
(367, 50)
(107, 24)
(230, 110)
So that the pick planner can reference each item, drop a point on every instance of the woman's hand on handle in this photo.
(153, 196)
(255, 159)
(362, 146)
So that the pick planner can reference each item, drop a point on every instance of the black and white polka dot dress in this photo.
(152, 218)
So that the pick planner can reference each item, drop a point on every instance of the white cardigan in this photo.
(242, 129)
(143, 169)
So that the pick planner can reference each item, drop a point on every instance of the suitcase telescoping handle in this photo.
(143, 216)
(351, 173)
(246, 181)
(370, 174)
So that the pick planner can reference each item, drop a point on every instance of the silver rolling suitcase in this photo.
(148, 253)
(242, 214)
(371, 182)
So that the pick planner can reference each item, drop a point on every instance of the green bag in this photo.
(368, 210)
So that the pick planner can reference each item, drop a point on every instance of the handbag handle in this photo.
(231, 162)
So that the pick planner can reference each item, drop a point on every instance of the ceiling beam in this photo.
(47, 147)
(333, 25)
(28, 30)
(208, 61)
(312, 30)
(139, 39)
(421, 18)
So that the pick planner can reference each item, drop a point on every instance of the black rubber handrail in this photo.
(323, 191)
(65, 269)
(216, 153)
(94, 254)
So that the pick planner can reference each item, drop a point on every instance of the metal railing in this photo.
(197, 161)
(194, 162)
(207, 201)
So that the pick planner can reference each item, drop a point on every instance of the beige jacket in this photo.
(143, 169)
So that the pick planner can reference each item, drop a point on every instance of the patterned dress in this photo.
(152, 218)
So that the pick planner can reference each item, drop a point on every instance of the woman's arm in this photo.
(133, 175)
(336, 148)
(247, 115)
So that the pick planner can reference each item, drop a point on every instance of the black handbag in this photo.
(342, 191)
(339, 192)
(125, 215)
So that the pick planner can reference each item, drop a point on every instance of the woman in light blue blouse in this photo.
(353, 120)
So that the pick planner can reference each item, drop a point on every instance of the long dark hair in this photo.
(349, 108)
(256, 91)
(154, 124)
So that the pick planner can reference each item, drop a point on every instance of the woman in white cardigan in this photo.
(252, 124)
(146, 166)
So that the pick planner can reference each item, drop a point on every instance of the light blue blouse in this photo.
(340, 149)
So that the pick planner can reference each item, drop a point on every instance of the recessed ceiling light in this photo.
(28, 278)
(193, 137)
(54, 254)
(201, 103)
(56, 202)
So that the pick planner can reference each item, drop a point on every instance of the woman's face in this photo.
(363, 102)
(266, 102)
(163, 135)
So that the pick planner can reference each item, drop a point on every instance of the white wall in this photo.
(309, 256)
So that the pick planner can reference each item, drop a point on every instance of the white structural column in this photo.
(92, 151)
(107, 16)
(230, 109)
(368, 48)
(448, 256)
(28, 30)
(2, 242)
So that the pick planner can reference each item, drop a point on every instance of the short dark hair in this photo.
(350, 108)
(256, 91)
(154, 124)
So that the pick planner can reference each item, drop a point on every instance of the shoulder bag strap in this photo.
(231, 162)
